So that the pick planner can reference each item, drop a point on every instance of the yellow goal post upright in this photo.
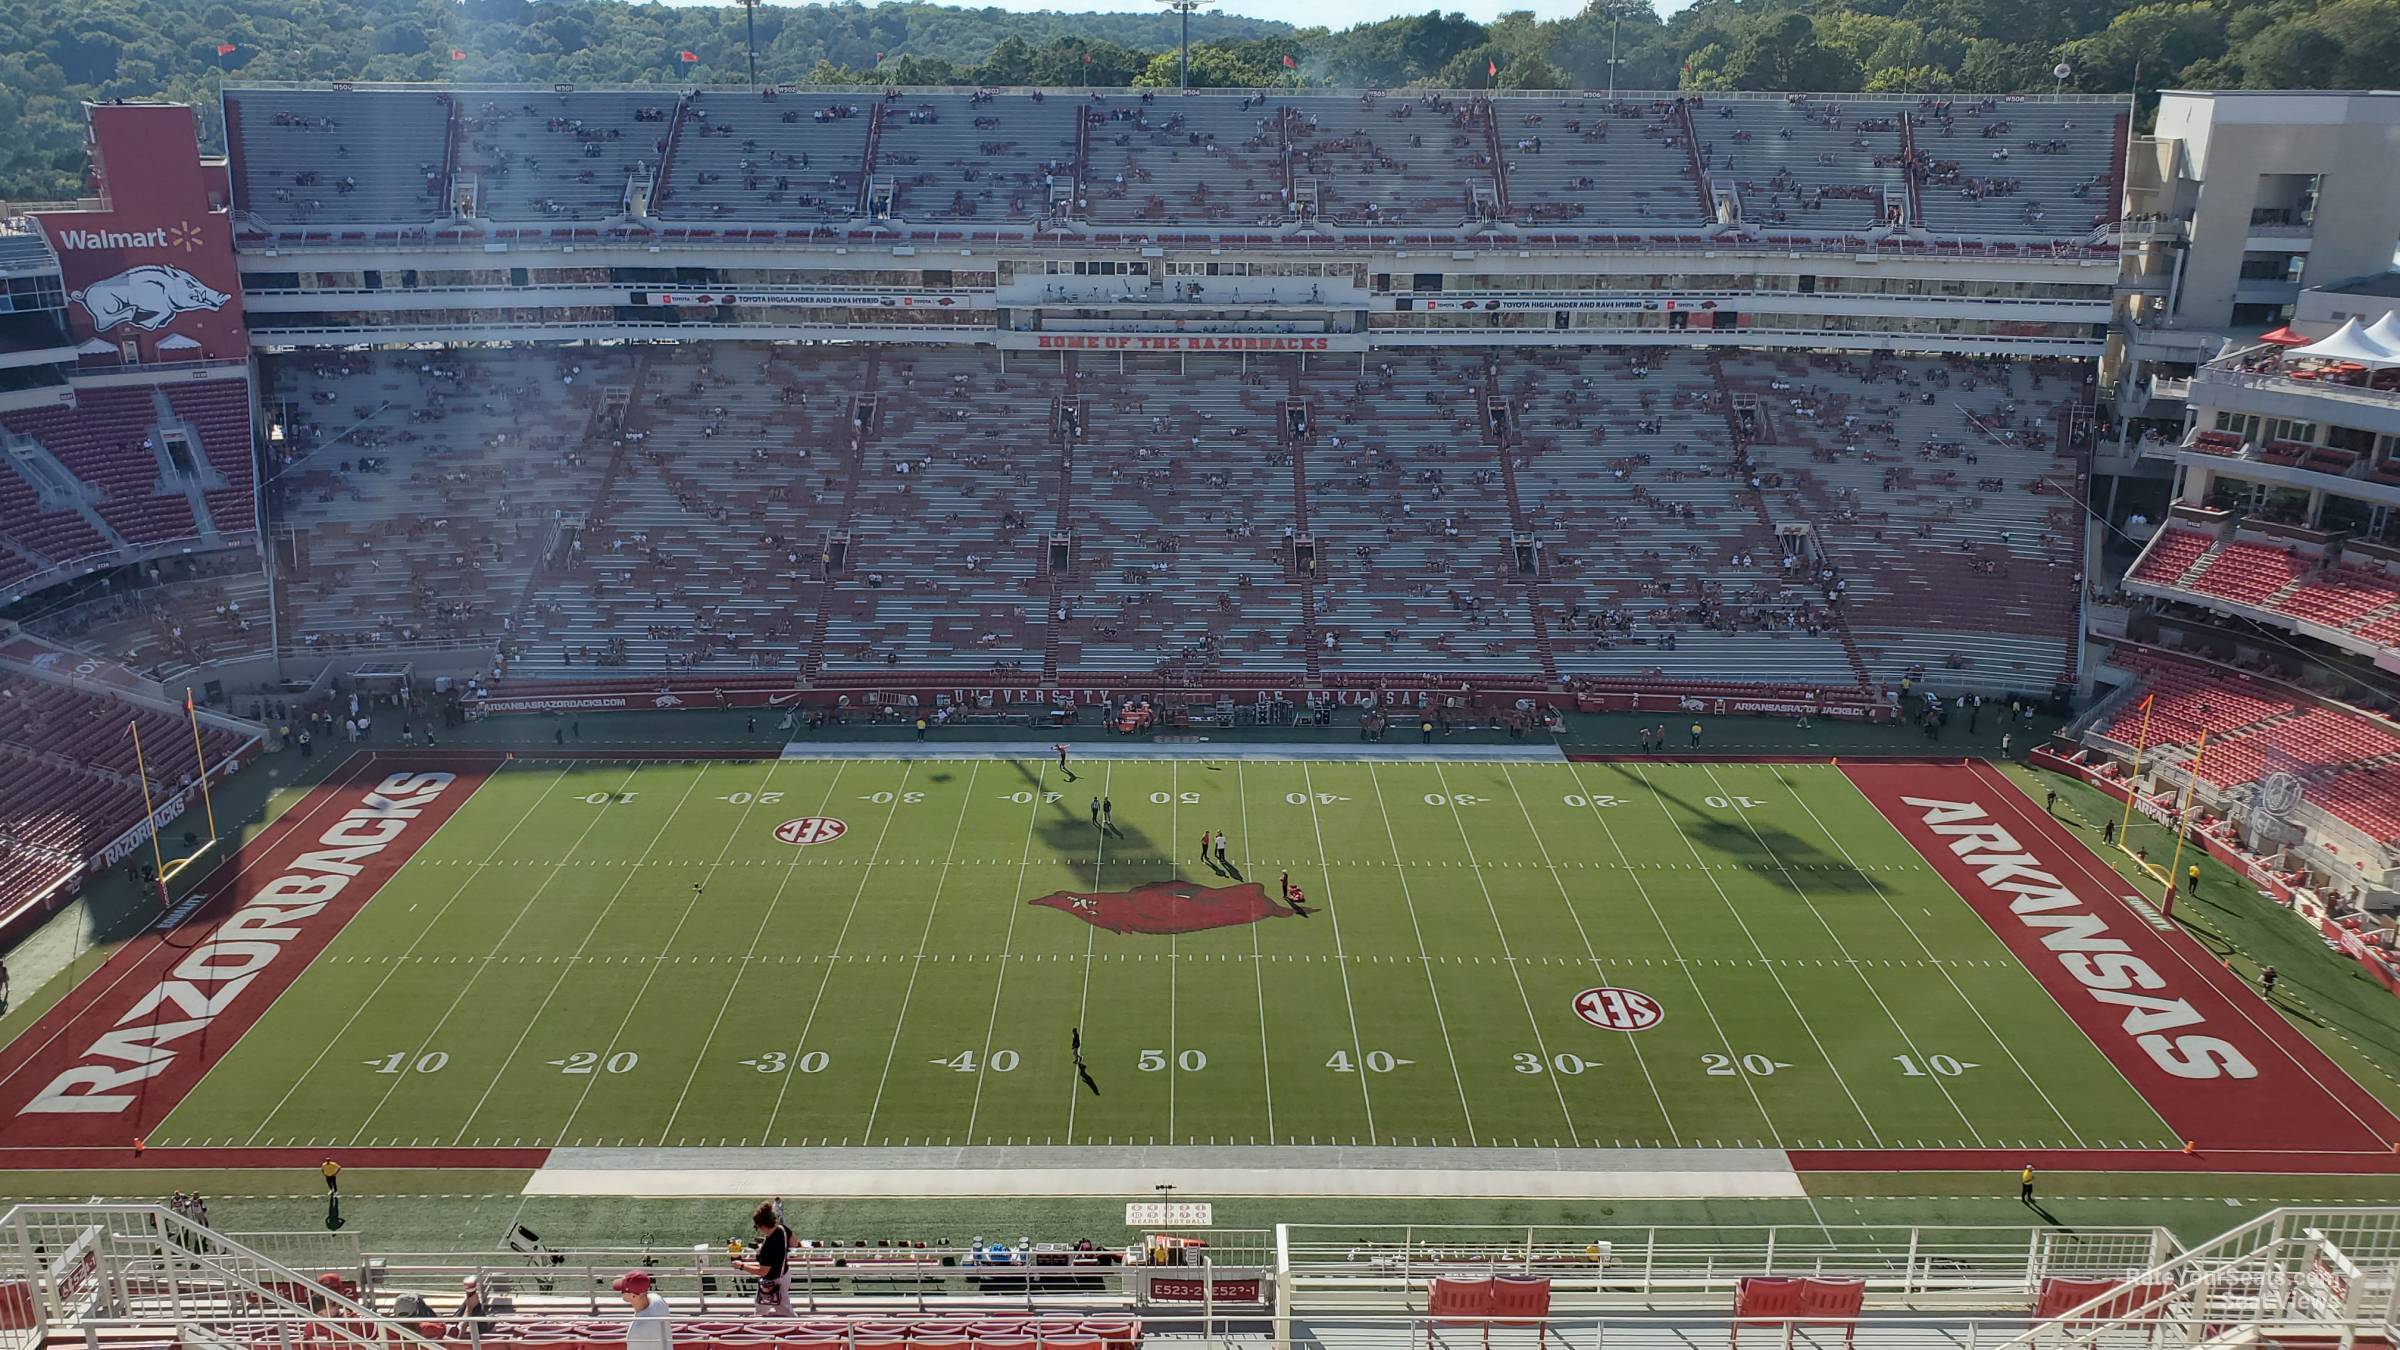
(169, 870)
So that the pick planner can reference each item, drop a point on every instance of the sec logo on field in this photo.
(1612, 1009)
(810, 830)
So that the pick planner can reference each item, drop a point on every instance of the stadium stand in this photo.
(2302, 584)
(71, 786)
(1792, 169)
(1179, 490)
(318, 157)
(952, 157)
(738, 157)
(415, 503)
(125, 470)
(2342, 757)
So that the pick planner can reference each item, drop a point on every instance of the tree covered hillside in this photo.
(61, 54)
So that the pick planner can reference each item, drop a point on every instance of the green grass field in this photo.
(596, 952)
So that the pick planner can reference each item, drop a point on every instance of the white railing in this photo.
(1349, 1268)
(2325, 1272)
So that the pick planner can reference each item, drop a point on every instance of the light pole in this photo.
(1616, 15)
(750, 44)
(1183, 59)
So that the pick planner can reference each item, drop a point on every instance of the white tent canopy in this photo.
(2351, 343)
(2385, 332)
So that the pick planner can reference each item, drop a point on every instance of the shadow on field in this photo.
(1066, 824)
(1753, 837)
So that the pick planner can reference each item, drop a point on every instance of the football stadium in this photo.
(1037, 718)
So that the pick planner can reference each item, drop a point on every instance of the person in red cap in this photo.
(650, 1329)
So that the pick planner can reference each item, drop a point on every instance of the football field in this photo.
(878, 951)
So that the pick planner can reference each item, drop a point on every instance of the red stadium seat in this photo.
(1520, 1298)
(1765, 1299)
(1453, 1301)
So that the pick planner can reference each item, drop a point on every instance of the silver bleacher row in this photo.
(688, 533)
(1829, 163)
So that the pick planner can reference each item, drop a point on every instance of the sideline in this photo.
(1195, 747)
(1221, 1170)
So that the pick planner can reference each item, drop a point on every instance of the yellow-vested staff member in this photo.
(332, 1172)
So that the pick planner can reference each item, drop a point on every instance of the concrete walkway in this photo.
(1193, 747)
(1224, 1170)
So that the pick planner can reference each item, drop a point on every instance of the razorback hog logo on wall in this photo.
(148, 297)
(2070, 929)
(1169, 907)
(212, 976)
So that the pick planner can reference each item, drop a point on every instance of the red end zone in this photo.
(115, 1056)
(2222, 1068)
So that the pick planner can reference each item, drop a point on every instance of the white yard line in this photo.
(1599, 968)
(783, 883)
(1874, 1135)
(410, 950)
(1918, 938)
(690, 904)
(1856, 968)
(991, 1025)
(1508, 956)
(1341, 961)
(1258, 965)
(1408, 901)
(833, 954)
(941, 879)
(1674, 948)
(557, 870)
(1091, 944)
(568, 968)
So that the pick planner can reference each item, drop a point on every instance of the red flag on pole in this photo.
(1490, 68)
(457, 55)
(1289, 63)
(227, 48)
(187, 700)
(687, 57)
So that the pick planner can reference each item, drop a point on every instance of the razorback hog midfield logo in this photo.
(1169, 907)
(148, 297)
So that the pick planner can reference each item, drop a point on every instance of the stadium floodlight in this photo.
(2060, 72)
(750, 40)
(1183, 53)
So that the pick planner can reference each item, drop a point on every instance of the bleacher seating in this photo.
(212, 609)
(1390, 161)
(1189, 160)
(1592, 162)
(2357, 599)
(122, 471)
(2245, 573)
(695, 533)
(744, 157)
(426, 522)
(2015, 168)
(2170, 555)
(2343, 759)
(953, 157)
(1825, 167)
(556, 157)
(68, 785)
(319, 157)
(1939, 491)
(1825, 163)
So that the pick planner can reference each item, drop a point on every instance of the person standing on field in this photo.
(2025, 1185)
(332, 1172)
